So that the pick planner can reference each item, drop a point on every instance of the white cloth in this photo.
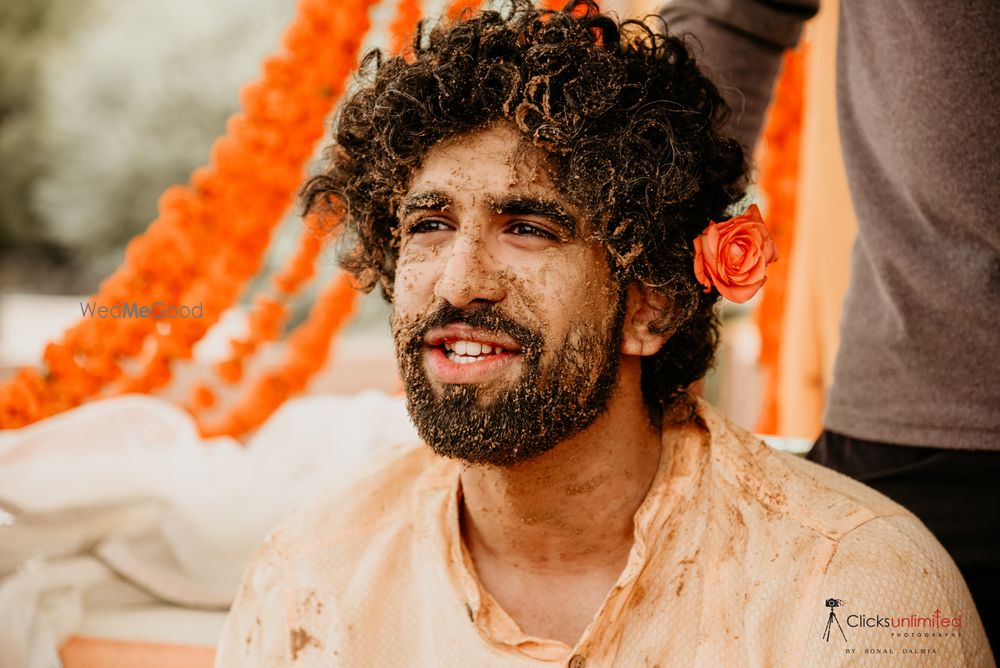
(120, 501)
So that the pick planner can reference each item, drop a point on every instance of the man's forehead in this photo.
(497, 153)
(495, 167)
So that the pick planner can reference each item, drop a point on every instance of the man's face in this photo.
(506, 319)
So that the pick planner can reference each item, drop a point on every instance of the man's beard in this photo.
(548, 403)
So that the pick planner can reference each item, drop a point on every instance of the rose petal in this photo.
(710, 239)
(699, 262)
(739, 293)
(756, 274)
(751, 257)
(770, 251)
(735, 255)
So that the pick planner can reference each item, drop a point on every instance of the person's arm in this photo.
(739, 43)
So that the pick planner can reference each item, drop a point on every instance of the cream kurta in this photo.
(737, 548)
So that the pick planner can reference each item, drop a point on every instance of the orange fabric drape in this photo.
(779, 172)
(82, 652)
(821, 255)
(801, 328)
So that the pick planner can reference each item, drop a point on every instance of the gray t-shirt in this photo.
(918, 98)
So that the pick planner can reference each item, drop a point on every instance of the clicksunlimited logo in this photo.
(911, 621)
(895, 634)
(156, 310)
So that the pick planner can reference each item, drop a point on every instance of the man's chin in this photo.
(494, 455)
(470, 395)
(456, 396)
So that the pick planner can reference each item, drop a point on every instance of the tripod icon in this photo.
(832, 619)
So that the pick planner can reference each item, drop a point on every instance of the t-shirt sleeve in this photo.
(739, 44)
(899, 596)
(275, 623)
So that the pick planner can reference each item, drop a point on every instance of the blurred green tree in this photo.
(27, 28)
(105, 104)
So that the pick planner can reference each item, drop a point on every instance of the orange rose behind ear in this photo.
(732, 256)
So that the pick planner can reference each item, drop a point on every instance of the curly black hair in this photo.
(630, 125)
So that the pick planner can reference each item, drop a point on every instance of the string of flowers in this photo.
(307, 351)
(229, 208)
(266, 319)
(308, 347)
(778, 162)
(304, 41)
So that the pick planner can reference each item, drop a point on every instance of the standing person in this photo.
(534, 192)
(914, 407)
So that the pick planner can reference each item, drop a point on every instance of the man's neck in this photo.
(571, 509)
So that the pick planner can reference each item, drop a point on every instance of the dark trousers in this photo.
(955, 493)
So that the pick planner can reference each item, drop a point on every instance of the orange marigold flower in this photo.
(202, 396)
(230, 371)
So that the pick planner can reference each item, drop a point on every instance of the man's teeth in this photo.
(465, 352)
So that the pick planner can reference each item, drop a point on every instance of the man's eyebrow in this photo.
(526, 205)
(422, 201)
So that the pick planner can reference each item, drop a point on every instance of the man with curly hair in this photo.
(530, 190)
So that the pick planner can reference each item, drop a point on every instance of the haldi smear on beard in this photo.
(557, 393)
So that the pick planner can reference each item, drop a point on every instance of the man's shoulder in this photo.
(779, 484)
(381, 497)
(344, 557)
(811, 534)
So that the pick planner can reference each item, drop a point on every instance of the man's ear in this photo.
(642, 307)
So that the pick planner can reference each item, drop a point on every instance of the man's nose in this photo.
(470, 274)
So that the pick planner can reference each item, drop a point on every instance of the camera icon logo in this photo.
(833, 603)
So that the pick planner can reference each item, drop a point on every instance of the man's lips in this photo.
(448, 336)
(462, 354)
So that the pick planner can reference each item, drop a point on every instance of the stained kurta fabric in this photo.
(737, 549)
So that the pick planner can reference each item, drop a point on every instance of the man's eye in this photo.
(528, 229)
(428, 225)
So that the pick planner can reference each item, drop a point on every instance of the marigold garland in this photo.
(230, 208)
(265, 320)
(307, 351)
(308, 347)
